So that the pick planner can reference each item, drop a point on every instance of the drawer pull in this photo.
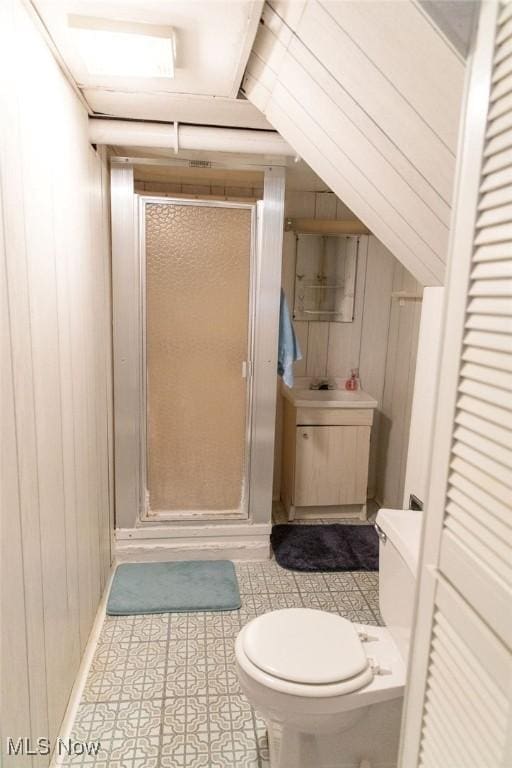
(305, 435)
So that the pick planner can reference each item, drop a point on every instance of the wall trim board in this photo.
(75, 696)
(144, 532)
(198, 548)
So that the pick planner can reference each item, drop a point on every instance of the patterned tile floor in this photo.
(163, 692)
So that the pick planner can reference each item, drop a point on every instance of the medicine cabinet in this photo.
(325, 277)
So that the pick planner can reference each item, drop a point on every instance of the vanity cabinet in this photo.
(325, 461)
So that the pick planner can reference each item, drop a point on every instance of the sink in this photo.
(328, 398)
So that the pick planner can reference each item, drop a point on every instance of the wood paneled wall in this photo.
(56, 384)
(381, 342)
(368, 93)
(394, 418)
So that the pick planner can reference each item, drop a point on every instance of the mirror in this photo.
(325, 277)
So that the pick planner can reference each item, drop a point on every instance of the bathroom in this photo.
(146, 425)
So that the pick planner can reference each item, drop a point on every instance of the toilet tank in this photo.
(399, 548)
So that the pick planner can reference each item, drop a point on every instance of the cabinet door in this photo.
(331, 465)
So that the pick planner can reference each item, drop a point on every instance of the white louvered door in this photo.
(458, 710)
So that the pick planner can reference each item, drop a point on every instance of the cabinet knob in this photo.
(305, 435)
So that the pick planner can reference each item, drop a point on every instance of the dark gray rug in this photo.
(323, 547)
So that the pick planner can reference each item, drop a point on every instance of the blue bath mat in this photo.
(326, 548)
(191, 585)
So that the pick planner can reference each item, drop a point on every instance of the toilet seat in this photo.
(304, 652)
(303, 645)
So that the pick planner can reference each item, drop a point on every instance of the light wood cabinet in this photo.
(325, 461)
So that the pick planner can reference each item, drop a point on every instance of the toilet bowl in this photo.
(331, 690)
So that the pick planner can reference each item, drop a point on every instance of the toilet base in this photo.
(373, 736)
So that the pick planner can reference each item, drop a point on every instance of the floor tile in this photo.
(163, 691)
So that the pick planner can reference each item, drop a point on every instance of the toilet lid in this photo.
(303, 645)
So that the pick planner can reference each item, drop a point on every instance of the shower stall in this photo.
(196, 288)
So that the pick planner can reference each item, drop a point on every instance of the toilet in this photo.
(331, 690)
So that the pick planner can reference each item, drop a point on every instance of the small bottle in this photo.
(353, 383)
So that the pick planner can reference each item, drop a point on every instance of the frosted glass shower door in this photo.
(197, 339)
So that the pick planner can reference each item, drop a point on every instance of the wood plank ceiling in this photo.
(369, 95)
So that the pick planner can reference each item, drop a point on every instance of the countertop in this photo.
(328, 398)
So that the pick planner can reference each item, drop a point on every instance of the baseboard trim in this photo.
(173, 530)
(77, 690)
(229, 547)
(340, 512)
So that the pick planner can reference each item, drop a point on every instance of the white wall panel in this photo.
(395, 418)
(423, 404)
(57, 507)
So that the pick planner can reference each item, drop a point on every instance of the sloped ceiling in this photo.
(369, 94)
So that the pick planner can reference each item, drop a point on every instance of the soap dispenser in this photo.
(353, 383)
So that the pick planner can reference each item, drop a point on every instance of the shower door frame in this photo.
(246, 367)
(153, 538)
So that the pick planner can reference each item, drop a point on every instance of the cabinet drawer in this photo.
(331, 465)
(334, 416)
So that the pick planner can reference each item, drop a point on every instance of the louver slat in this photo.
(495, 341)
(479, 548)
(485, 505)
(504, 50)
(499, 196)
(489, 252)
(502, 106)
(505, 31)
(459, 520)
(484, 463)
(488, 483)
(487, 447)
(495, 215)
(485, 410)
(484, 427)
(502, 70)
(491, 288)
(487, 375)
(497, 179)
(493, 395)
(489, 323)
(490, 306)
(504, 121)
(471, 507)
(497, 161)
(491, 269)
(489, 358)
(504, 140)
(505, 13)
